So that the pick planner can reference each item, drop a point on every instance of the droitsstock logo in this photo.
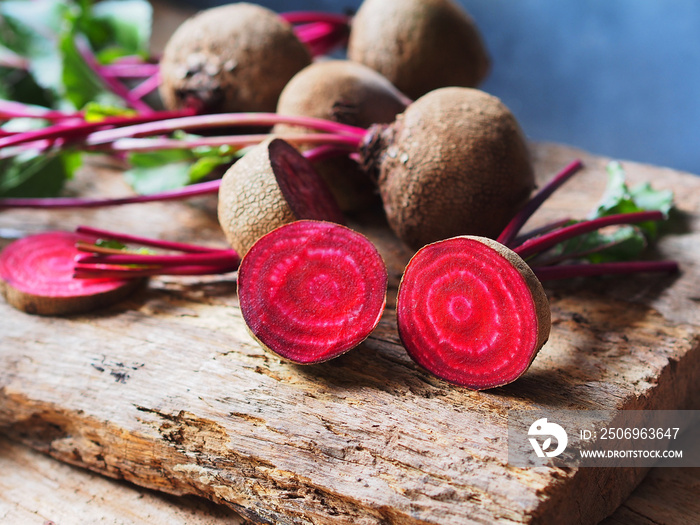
(542, 428)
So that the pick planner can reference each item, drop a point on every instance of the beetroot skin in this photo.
(454, 163)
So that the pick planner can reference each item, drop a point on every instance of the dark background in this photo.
(616, 77)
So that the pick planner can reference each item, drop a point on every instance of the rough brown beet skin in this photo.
(419, 45)
(349, 93)
(454, 163)
(232, 58)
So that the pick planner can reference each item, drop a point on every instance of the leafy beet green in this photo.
(626, 242)
(35, 173)
(41, 64)
(43, 33)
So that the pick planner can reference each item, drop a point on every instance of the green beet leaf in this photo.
(37, 174)
(622, 243)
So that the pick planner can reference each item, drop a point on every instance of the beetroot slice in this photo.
(472, 312)
(37, 275)
(312, 290)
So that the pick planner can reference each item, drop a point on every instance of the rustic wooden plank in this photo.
(35, 488)
(168, 391)
(667, 495)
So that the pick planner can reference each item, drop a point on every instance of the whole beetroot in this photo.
(231, 58)
(419, 45)
(342, 91)
(349, 93)
(454, 163)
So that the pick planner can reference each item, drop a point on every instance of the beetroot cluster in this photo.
(450, 164)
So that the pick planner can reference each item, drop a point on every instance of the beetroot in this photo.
(472, 312)
(454, 163)
(37, 277)
(349, 93)
(311, 290)
(419, 45)
(271, 185)
(234, 57)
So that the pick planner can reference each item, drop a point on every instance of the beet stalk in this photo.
(473, 312)
(311, 290)
(512, 229)
(539, 244)
(61, 273)
(95, 260)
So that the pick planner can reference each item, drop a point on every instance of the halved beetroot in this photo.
(312, 290)
(472, 312)
(37, 277)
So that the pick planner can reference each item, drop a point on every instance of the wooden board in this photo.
(35, 488)
(168, 391)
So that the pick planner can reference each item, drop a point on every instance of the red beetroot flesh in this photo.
(467, 314)
(311, 290)
(41, 266)
(306, 193)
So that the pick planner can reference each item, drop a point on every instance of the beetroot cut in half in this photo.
(472, 312)
(312, 290)
(36, 275)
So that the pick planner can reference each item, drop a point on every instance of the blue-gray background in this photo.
(615, 77)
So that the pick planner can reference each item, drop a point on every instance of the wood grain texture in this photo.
(168, 391)
(36, 489)
(667, 496)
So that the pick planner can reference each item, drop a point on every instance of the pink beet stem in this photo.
(568, 271)
(129, 70)
(236, 141)
(554, 225)
(10, 109)
(219, 120)
(144, 241)
(39, 146)
(146, 87)
(313, 31)
(110, 82)
(308, 17)
(325, 151)
(544, 242)
(107, 272)
(225, 257)
(511, 230)
(78, 130)
(110, 263)
(201, 188)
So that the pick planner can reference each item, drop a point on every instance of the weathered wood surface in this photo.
(168, 391)
(667, 496)
(36, 489)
